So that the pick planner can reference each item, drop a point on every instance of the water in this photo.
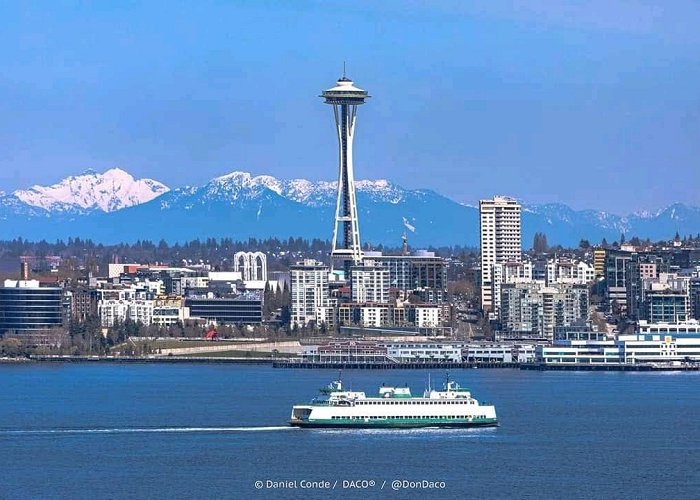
(210, 431)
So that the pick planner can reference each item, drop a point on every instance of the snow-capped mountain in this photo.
(109, 191)
(310, 193)
(114, 207)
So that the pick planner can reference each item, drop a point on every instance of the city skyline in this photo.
(582, 105)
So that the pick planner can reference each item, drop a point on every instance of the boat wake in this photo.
(151, 430)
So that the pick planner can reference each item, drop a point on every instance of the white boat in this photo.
(452, 406)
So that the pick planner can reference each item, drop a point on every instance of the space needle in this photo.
(345, 98)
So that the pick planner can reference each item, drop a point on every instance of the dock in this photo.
(386, 365)
(611, 367)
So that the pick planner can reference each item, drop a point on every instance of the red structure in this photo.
(212, 334)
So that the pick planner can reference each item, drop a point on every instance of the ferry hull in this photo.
(391, 425)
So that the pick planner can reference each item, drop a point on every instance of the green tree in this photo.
(539, 244)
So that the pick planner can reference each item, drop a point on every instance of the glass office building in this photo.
(26, 308)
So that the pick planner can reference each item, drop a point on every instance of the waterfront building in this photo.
(28, 309)
(501, 240)
(309, 292)
(424, 352)
(416, 351)
(595, 352)
(652, 343)
(499, 352)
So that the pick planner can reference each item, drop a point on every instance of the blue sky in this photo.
(591, 103)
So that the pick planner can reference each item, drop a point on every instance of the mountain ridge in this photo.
(114, 206)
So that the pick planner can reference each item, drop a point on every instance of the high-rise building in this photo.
(501, 240)
(616, 264)
(369, 283)
(345, 98)
(309, 290)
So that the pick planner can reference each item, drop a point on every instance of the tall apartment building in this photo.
(501, 240)
(616, 265)
(533, 310)
(422, 270)
(369, 283)
(309, 290)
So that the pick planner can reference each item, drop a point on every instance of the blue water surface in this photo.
(211, 431)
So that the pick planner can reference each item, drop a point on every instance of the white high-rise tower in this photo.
(345, 98)
(501, 240)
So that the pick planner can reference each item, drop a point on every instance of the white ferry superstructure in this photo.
(394, 407)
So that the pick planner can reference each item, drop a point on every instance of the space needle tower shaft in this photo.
(345, 98)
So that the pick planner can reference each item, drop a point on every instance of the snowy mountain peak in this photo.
(239, 184)
(111, 190)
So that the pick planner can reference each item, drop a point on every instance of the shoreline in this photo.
(277, 363)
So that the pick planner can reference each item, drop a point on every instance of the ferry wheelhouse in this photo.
(452, 406)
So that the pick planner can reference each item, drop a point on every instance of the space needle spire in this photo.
(345, 98)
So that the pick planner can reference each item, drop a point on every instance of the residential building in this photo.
(616, 279)
(369, 282)
(501, 240)
(599, 262)
(309, 292)
(83, 303)
(531, 310)
(422, 271)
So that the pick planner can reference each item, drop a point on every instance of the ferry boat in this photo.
(451, 407)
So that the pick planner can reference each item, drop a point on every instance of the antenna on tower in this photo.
(344, 70)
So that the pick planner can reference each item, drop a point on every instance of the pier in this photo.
(611, 367)
(386, 365)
